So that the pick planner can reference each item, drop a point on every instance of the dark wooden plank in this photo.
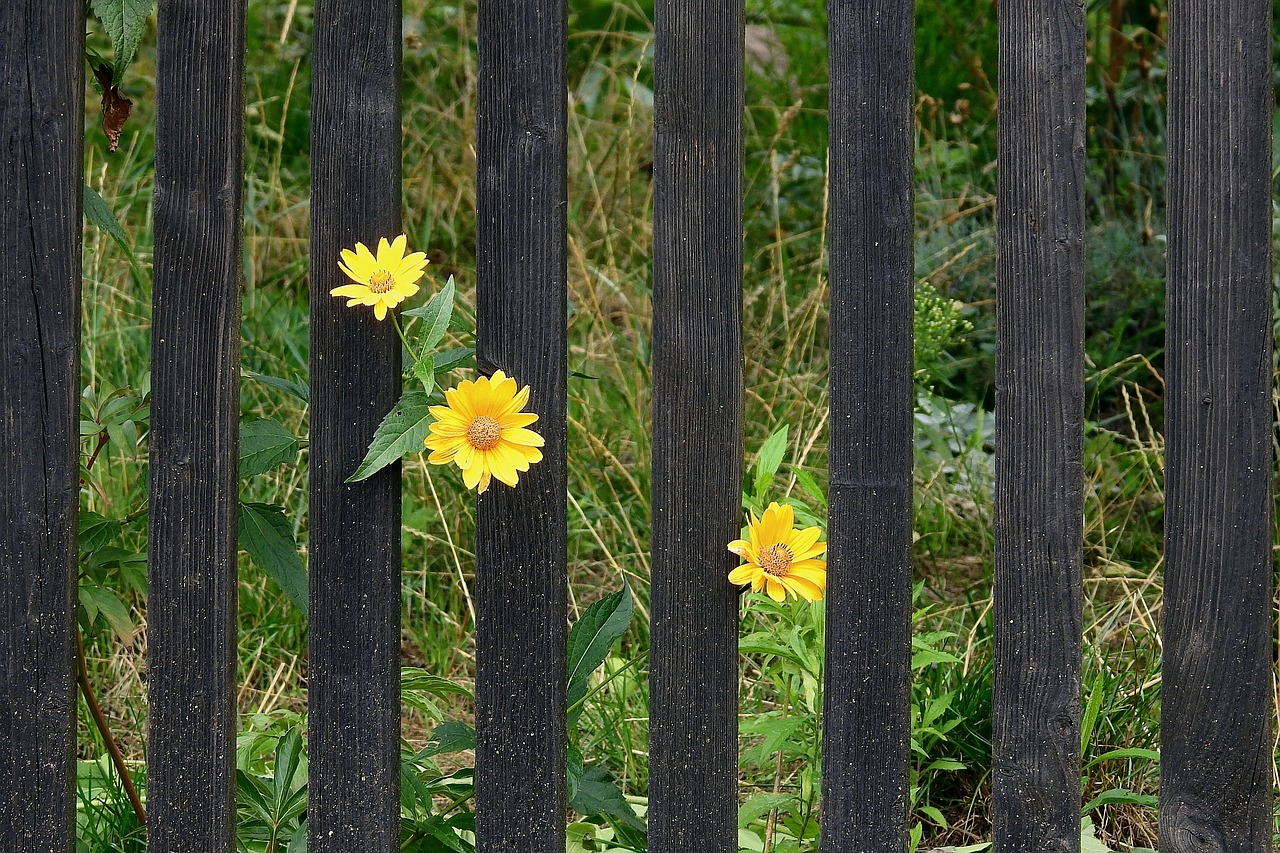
(1039, 427)
(195, 407)
(354, 644)
(1217, 712)
(697, 423)
(866, 706)
(42, 128)
(520, 329)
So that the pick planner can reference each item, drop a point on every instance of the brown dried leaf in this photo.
(115, 106)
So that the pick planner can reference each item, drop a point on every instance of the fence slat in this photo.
(697, 423)
(1039, 427)
(868, 651)
(1215, 764)
(520, 329)
(191, 600)
(42, 127)
(195, 404)
(354, 545)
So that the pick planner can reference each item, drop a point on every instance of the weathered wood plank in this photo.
(195, 404)
(1039, 427)
(866, 706)
(1216, 713)
(42, 128)
(520, 329)
(697, 423)
(354, 643)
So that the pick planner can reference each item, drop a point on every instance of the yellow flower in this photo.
(482, 431)
(781, 559)
(383, 282)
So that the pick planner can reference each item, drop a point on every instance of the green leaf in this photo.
(598, 796)
(1119, 795)
(810, 486)
(124, 21)
(264, 444)
(96, 531)
(451, 358)
(448, 737)
(770, 459)
(97, 211)
(268, 537)
(425, 370)
(590, 639)
(1091, 714)
(297, 389)
(762, 804)
(97, 600)
(402, 431)
(1129, 752)
(435, 316)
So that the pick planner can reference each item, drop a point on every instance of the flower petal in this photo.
(519, 419)
(776, 590)
(350, 290)
(526, 437)
(391, 254)
(743, 574)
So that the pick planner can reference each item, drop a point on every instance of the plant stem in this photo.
(395, 321)
(82, 676)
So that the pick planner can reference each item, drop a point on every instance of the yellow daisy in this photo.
(781, 559)
(482, 431)
(383, 282)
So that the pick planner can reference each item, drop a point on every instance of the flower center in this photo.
(776, 560)
(484, 433)
(381, 282)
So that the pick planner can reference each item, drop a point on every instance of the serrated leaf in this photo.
(598, 797)
(449, 737)
(435, 316)
(98, 600)
(124, 21)
(96, 531)
(297, 389)
(770, 459)
(98, 212)
(425, 369)
(264, 444)
(268, 537)
(590, 639)
(401, 431)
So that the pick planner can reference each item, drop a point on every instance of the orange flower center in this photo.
(484, 433)
(776, 560)
(381, 282)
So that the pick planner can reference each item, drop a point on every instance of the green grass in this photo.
(610, 213)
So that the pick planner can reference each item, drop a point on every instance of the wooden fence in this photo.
(1217, 702)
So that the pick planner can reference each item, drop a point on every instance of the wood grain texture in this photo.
(697, 424)
(866, 706)
(1216, 715)
(354, 642)
(195, 405)
(1039, 427)
(520, 329)
(41, 137)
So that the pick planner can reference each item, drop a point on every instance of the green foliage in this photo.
(401, 432)
(124, 21)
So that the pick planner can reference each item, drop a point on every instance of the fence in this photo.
(1215, 786)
